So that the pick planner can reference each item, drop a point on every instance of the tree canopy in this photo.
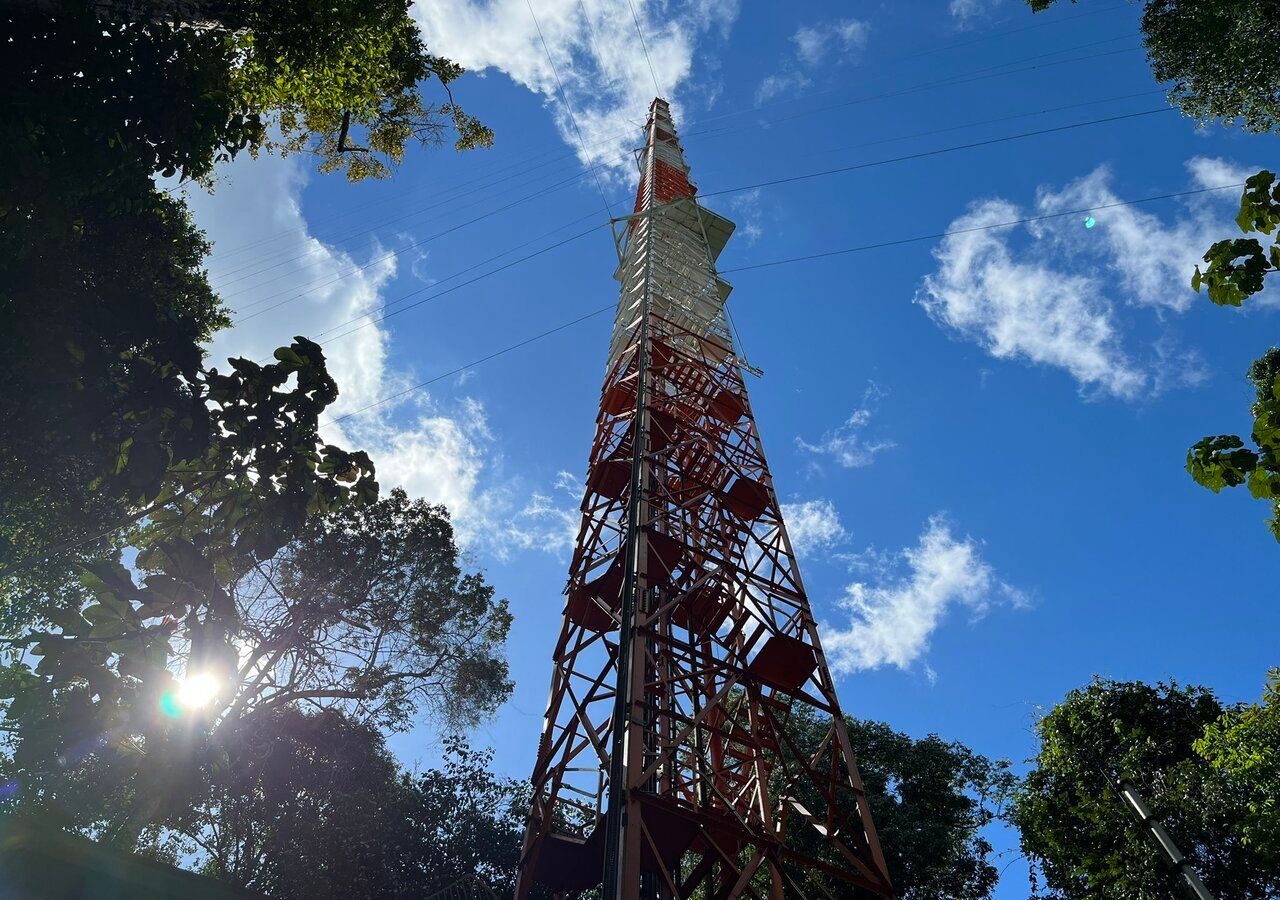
(930, 800)
(104, 301)
(1079, 834)
(1237, 267)
(361, 610)
(1244, 747)
(313, 805)
(1223, 461)
(204, 604)
(1220, 56)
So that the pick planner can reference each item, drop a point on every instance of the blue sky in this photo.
(980, 438)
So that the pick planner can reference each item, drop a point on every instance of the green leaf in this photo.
(1218, 462)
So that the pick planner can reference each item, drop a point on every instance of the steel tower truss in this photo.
(665, 768)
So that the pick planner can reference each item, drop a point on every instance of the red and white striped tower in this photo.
(665, 768)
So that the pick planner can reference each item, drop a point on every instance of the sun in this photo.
(193, 692)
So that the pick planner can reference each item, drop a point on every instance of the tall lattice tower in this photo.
(666, 767)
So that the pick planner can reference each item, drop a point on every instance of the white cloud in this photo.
(844, 38)
(437, 449)
(967, 12)
(1211, 172)
(812, 525)
(1064, 298)
(597, 56)
(281, 281)
(548, 522)
(745, 207)
(780, 83)
(1018, 309)
(832, 42)
(847, 445)
(892, 620)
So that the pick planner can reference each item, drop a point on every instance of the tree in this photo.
(101, 364)
(104, 302)
(103, 298)
(358, 71)
(364, 612)
(1244, 747)
(1223, 59)
(297, 807)
(1224, 461)
(95, 681)
(1236, 271)
(1237, 268)
(367, 609)
(1221, 56)
(342, 79)
(312, 805)
(1079, 834)
(455, 821)
(930, 800)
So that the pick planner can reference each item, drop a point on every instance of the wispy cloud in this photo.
(812, 525)
(848, 445)
(1059, 294)
(548, 522)
(840, 39)
(907, 596)
(439, 448)
(596, 53)
(779, 83)
(966, 13)
(745, 206)
(827, 43)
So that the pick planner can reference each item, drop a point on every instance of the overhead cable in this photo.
(564, 98)
(756, 185)
(847, 250)
(960, 78)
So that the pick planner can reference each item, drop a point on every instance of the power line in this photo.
(741, 188)
(564, 98)
(542, 192)
(25, 564)
(446, 201)
(645, 47)
(481, 277)
(962, 78)
(791, 179)
(981, 74)
(389, 255)
(604, 164)
(471, 365)
(1009, 118)
(864, 247)
(375, 317)
(748, 187)
(826, 254)
(790, 101)
(455, 274)
(969, 78)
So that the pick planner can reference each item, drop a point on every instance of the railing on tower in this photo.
(668, 763)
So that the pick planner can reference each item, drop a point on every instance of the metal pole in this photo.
(1163, 840)
(616, 824)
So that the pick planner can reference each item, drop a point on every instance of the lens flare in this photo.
(197, 691)
(193, 692)
(169, 705)
(1090, 221)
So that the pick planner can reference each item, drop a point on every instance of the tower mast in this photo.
(665, 766)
